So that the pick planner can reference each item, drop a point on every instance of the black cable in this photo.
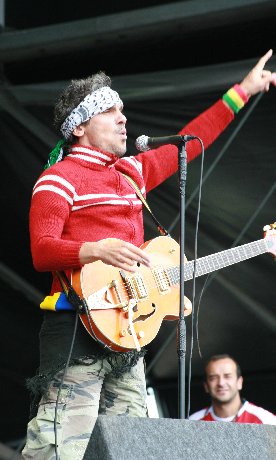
(80, 306)
(211, 276)
(61, 382)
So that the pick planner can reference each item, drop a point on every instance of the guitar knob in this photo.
(141, 335)
(122, 333)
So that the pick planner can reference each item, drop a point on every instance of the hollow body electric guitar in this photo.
(126, 310)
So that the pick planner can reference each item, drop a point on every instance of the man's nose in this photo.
(121, 117)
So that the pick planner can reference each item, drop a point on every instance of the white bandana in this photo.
(93, 104)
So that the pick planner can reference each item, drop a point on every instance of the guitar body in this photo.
(108, 293)
(126, 310)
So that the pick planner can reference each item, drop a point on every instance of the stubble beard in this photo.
(119, 152)
(224, 400)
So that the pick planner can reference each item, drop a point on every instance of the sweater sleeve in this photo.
(158, 164)
(49, 211)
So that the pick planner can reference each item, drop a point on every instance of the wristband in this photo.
(241, 93)
(233, 100)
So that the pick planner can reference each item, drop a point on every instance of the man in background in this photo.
(223, 382)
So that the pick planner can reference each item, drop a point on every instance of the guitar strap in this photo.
(73, 298)
(140, 195)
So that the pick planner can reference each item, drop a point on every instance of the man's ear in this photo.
(78, 131)
(206, 387)
(240, 382)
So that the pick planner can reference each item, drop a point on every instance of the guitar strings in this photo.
(161, 275)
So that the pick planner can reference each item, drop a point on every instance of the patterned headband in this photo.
(93, 104)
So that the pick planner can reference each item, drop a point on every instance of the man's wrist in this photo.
(235, 98)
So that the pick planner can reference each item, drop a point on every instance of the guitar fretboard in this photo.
(217, 261)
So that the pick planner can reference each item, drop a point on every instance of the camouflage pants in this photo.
(88, 390)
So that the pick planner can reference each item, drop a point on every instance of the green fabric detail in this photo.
(230, 102)
(54, 154)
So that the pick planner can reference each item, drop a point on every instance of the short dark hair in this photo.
(75, 92)
(217, 358)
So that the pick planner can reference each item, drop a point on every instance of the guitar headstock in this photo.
(270, 237)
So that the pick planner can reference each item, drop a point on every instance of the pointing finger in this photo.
(263, 60)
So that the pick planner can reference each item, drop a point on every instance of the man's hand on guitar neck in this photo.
(113, 251)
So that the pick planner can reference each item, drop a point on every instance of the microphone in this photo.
(144, 143)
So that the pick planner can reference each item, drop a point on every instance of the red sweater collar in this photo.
(92, 155)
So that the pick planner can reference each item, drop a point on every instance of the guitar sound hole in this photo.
(145, 317)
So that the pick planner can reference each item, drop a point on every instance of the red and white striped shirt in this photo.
(248, 413)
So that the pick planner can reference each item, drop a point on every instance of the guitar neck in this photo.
(219, 260)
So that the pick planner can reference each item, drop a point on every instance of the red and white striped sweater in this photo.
(85, 197)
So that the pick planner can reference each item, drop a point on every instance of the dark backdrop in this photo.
(169, 61)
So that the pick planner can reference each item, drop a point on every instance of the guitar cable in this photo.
(231, 138)
(80, 306)
(61, 382)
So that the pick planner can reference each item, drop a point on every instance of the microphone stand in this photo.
(181, 347)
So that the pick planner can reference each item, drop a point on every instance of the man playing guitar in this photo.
(85, 210)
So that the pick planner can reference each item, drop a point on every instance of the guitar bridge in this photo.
(114, 285)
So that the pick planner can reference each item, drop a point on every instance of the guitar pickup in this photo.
(138, 286)
(135, 286)
(161, 279)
